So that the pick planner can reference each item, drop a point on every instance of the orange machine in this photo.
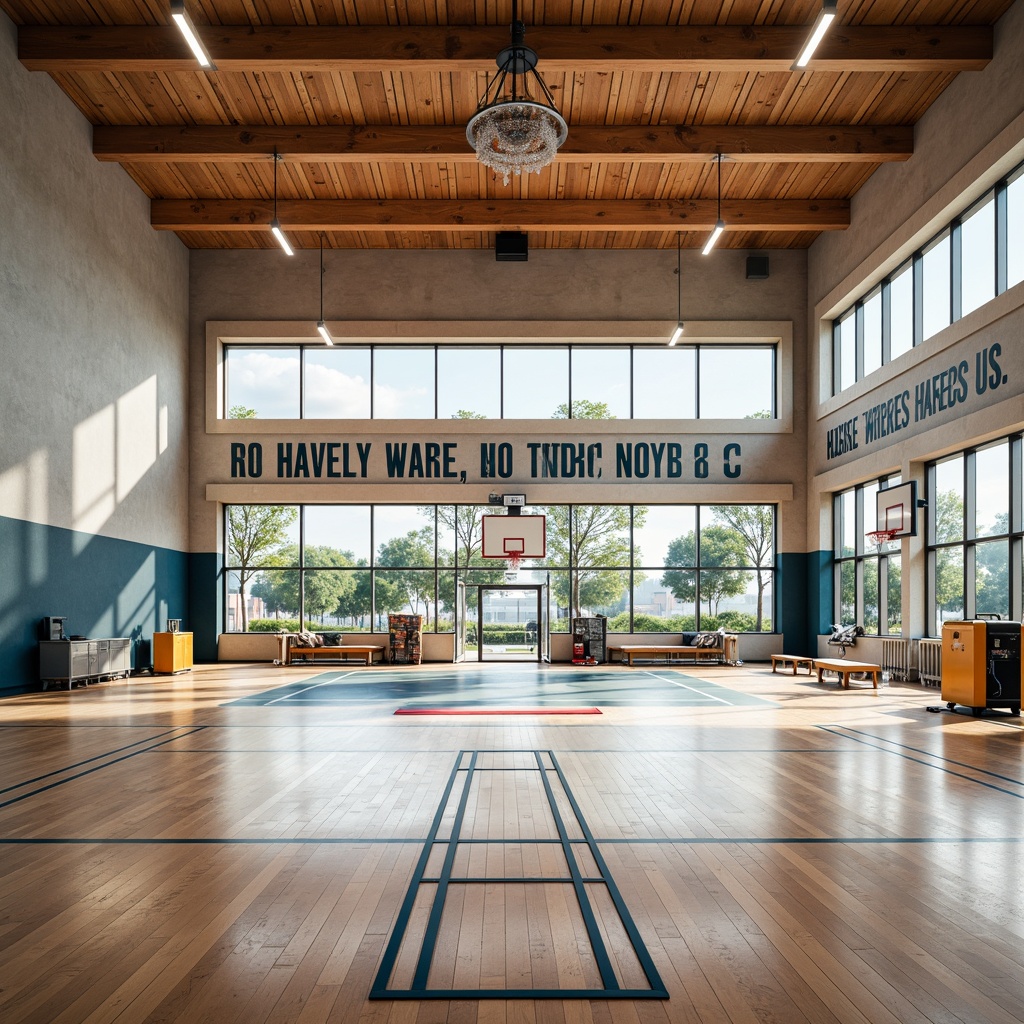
(981, 665)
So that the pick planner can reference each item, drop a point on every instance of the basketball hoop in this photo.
(513, 539)
(880, 537)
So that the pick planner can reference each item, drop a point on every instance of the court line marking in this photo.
(917, 760)
(295, 693)
(928, 753)
(418, 988)
(692, 689)
(88, 760)
(604, 841)
(99, 767)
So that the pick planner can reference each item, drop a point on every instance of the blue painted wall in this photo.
(804, 596)
(206, 605)
(104, 587)
(821, 595)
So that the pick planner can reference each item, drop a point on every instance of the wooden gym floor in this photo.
(248, 843)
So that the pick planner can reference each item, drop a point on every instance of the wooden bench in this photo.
(344, 652)
(796, 660)
(844, 669)
(671, 652)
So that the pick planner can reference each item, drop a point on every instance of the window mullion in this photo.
(837, 358)
(918, 283)
(886, 321)
(1002, 239)
(858, 332)
(955, 272)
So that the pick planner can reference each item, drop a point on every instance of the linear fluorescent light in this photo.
(180, 18)
(713, 237)
(275, 227)
(324, 332)
(678, 332)
(825, 17)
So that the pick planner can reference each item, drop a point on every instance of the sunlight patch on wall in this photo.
(136, 435)
(93, 467)
(24, 489)
(25, 495)
(163, 431)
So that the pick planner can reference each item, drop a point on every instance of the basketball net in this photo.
(880, 537)
(514, 550)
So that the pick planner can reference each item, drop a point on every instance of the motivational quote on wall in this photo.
(491, 460)
(948, 389)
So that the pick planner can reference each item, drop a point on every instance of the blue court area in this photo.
(503, 687)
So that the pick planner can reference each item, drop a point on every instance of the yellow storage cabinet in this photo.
(172, 652)
(981, 665)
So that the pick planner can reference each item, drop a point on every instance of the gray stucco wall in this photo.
(902, 200)
(562, 286)
(93, 389)
(381, 289)
(93, 308)
(968, 139)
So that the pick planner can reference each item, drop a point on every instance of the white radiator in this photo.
(896, 657)
(929, 662)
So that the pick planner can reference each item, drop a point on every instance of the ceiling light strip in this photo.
(825, 17)
(719, 224)
(275, 224)
(188, 29)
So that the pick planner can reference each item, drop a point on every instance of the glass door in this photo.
(460, 621)
(511, 623)
(544, 633)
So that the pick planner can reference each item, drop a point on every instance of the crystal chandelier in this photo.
(513, 131)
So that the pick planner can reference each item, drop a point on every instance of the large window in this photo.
(499, 381)
(868, 577)
(974, 534)
(968, 263)
(660, 568)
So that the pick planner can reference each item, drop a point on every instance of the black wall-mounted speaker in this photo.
(757, 268)
(511, 247)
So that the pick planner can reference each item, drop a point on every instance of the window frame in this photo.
(631, 567)
(861, 556)
(966, 546)
(771, 347)
(1003, 238)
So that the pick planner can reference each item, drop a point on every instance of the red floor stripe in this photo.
(498, 711)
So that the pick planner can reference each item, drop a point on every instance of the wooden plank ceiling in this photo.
(366, 101)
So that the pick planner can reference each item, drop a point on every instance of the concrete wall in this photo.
(93, 398)
(972, 136)
(902, 204)
(384, 295)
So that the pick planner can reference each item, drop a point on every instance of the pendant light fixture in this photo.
(825, 17)
(513, 131)
(719, 224)
(321, 326)
(185, 25)
(680, 326)
(275, 224)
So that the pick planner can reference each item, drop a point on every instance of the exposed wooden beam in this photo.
(358, 143)
(499, 214)
(563, 48)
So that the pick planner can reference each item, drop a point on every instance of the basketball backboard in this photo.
(896, 509)
(518, 536)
